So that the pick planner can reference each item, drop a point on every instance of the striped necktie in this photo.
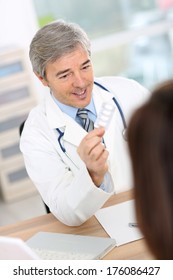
(88, 124)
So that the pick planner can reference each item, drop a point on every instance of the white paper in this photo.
(115, 220)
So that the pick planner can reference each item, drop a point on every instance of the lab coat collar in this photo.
(100, 96)
(54, 115)
(73, 132)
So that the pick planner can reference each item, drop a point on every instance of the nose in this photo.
(78, 80)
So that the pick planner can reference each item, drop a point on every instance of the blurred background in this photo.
(129, 38)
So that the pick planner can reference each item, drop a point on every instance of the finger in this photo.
(97, 151)
(87, 145)
(96, 132)
(99, 165)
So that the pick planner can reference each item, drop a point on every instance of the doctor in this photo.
(76, 171)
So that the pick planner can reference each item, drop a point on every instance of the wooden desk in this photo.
(25, 229)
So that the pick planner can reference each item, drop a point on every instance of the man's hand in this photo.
(92, 151)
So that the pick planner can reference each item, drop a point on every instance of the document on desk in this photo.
(116, 221)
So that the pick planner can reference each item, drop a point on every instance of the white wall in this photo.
(18, 23)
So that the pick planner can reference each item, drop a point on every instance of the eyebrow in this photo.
(67, 70)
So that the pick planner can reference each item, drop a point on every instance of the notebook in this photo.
(46, 245)
(118, 221)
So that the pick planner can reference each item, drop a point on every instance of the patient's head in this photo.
(150, 138)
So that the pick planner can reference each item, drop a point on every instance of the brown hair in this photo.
(150, 138)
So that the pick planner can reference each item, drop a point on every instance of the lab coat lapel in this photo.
(73, 132)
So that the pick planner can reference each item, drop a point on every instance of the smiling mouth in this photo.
(81, 95)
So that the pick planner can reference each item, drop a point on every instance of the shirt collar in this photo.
(72, 111)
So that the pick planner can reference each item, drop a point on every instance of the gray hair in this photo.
(53, 41)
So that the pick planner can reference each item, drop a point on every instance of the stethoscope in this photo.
(124, 131)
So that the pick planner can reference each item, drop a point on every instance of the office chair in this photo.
(20, 132)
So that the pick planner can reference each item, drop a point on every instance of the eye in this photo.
(65, 76)
(85, 67)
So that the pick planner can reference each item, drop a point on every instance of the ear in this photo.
(44, 82)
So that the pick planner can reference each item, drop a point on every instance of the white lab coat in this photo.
(67, 187)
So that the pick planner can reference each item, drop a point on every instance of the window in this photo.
(129, 37)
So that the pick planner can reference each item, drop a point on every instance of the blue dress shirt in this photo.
(72, 111)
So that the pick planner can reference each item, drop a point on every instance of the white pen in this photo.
(133, 225)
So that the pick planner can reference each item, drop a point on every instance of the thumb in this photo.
(100, 131)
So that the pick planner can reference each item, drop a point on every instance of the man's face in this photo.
(70, 78)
